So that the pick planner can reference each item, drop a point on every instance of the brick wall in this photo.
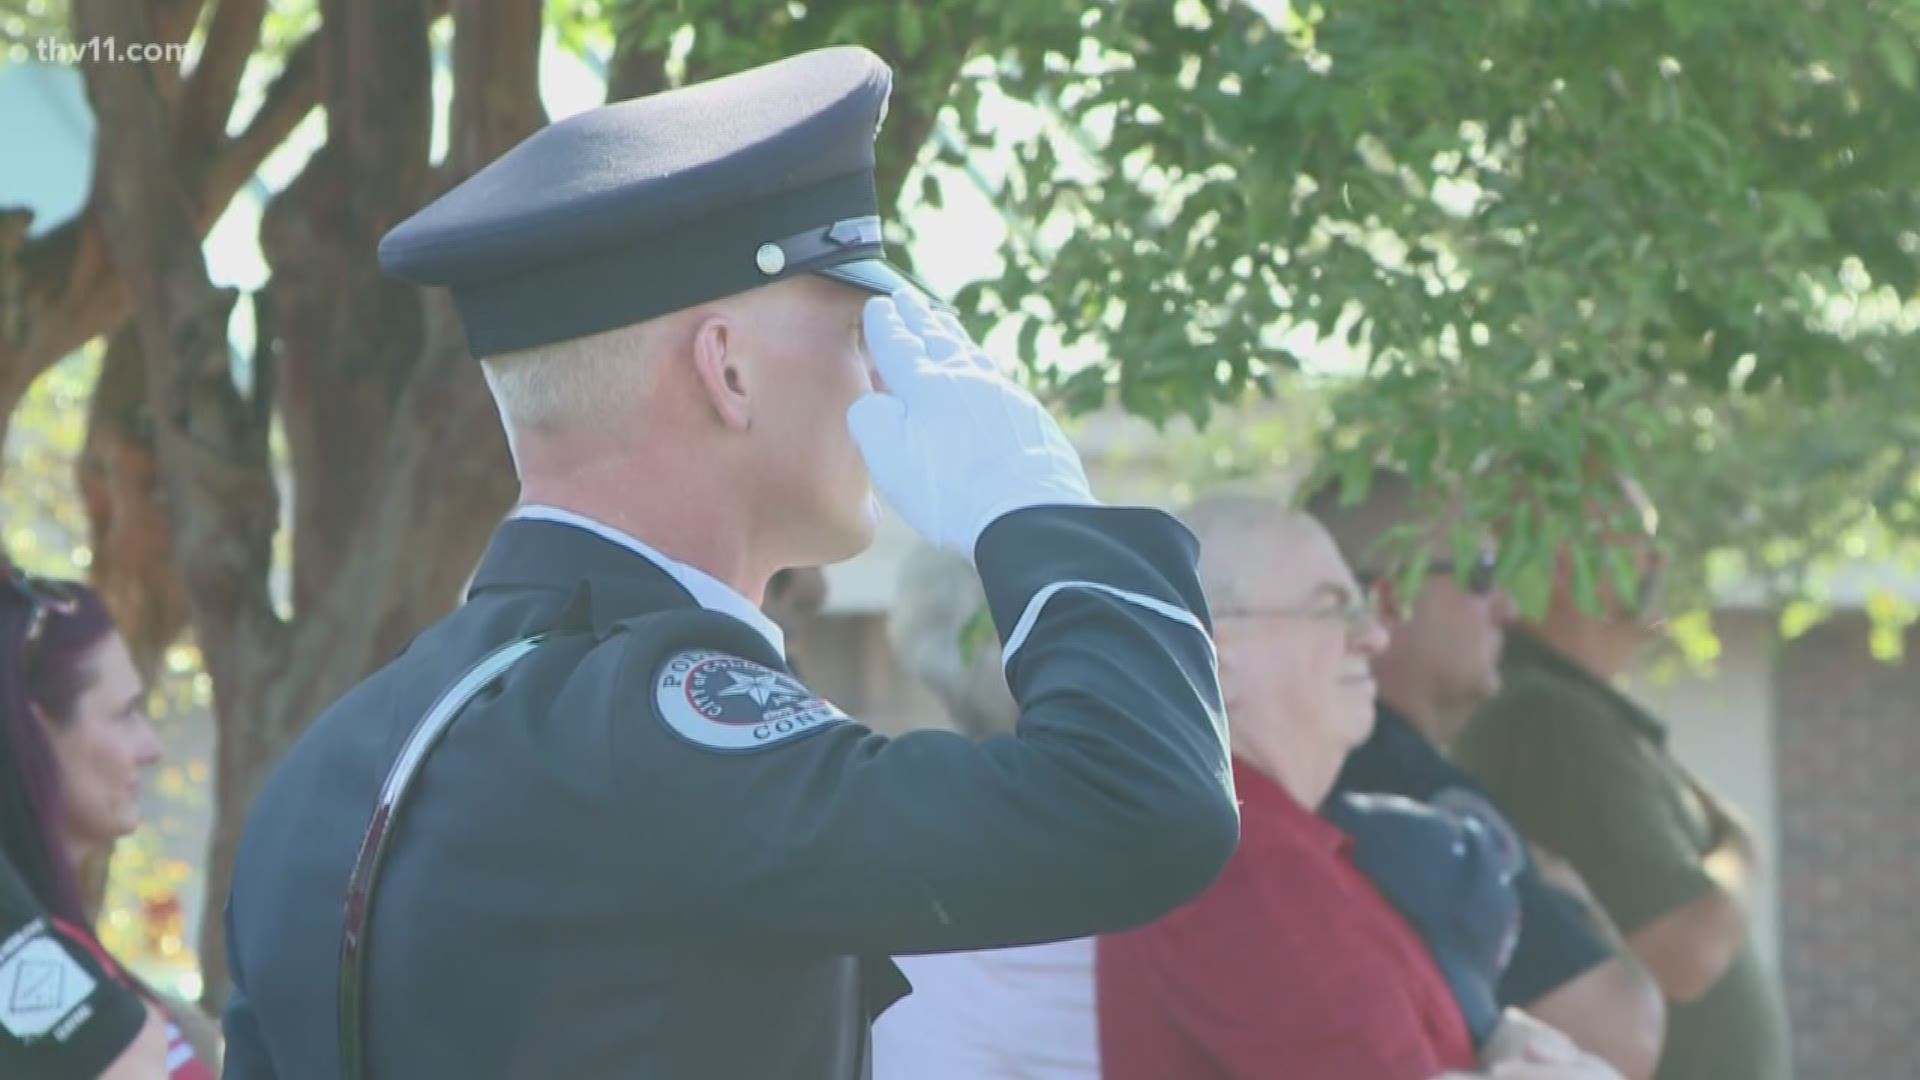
(1849, 764)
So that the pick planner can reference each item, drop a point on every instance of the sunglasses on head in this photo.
(44, 597)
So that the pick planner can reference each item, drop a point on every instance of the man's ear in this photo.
(720, 374)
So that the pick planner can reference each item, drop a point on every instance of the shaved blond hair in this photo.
(584, 385)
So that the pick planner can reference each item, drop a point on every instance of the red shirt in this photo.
(1292, 965)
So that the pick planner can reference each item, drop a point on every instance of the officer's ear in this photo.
(718, 370)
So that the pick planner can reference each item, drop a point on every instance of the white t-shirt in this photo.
(1002, 1014)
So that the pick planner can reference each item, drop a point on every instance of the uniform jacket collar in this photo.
(707, 591)
(607, 581)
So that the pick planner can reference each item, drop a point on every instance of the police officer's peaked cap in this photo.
(636, 209)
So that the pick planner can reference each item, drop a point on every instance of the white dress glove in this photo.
(952, 444)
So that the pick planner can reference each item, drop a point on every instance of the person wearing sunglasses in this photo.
(1443, 662)
(74, 739)
(1588, 774)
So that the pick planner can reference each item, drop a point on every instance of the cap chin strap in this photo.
(426, 734)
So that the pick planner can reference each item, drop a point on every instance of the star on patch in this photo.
(734, 705)
(761, 688)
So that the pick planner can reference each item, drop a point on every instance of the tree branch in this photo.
(64, 291)
(635, 71)
(119, 480)
(170, 22)
(443, 477)
(221, 495)
(14, 223)
(288, 100)
(207, 102)
(496, 80)
(351, 337)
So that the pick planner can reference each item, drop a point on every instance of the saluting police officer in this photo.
(589, 825)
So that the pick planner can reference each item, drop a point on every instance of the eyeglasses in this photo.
(1360, 613)
(44, 597)
(1481, 578)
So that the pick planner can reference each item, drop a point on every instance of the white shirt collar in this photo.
(708, 591)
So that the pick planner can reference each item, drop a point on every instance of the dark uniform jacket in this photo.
(651, 852)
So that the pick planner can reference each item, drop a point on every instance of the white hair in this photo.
(1230, 522)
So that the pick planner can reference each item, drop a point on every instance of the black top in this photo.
(1558, 941)
(62, 1016)
(653, 852)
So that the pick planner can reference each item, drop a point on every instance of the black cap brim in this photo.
(882, 278)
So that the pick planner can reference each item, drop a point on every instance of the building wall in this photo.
(1849, 741)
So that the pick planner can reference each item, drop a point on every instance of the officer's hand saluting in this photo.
(952, 443)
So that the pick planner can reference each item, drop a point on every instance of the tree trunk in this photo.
(211, 443)
(350, 336)
(427, 476)
(120, 487)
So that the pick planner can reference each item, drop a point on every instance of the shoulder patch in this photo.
(729, 703)
(41, 985)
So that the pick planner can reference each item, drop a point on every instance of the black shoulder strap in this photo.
(425, 736)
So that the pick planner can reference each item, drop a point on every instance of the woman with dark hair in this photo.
(74, 739)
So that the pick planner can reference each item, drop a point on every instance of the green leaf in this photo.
(911, 26)
(1897, 56)
(1585, 590)
(977, 634)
